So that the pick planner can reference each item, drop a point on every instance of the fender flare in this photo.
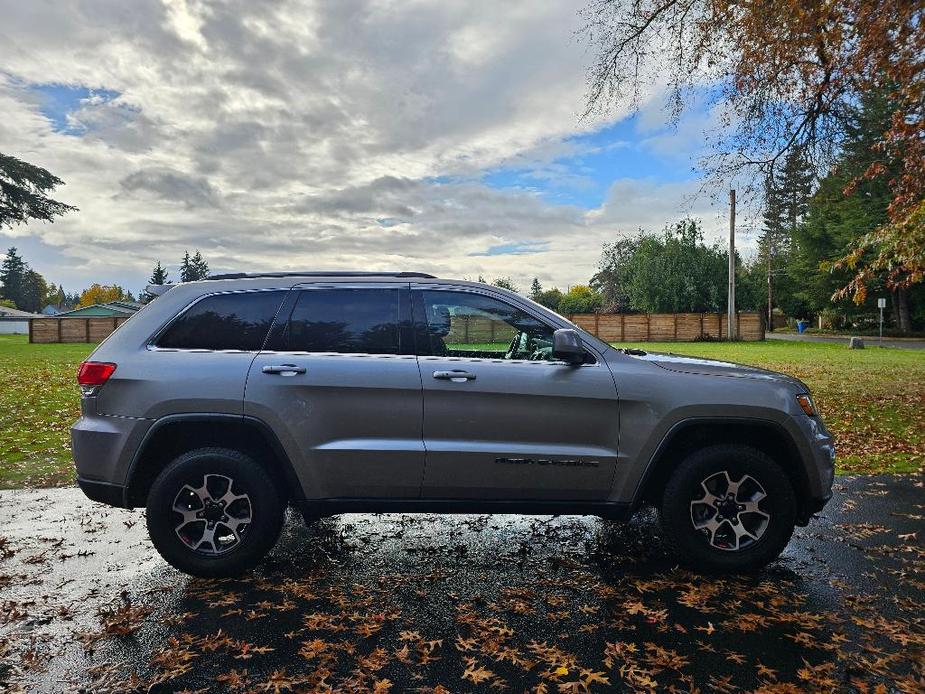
(289, 474)
(688, 422)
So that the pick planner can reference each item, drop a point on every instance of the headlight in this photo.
(806, 404)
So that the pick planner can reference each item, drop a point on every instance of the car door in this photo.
(339, 383)
(505, 420)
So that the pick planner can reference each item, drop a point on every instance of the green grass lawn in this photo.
(39, 401)
(872, 399)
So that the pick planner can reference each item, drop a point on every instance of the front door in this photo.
(502, 418)
(339, 383)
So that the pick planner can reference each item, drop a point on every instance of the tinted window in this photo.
(224, 321)
(345, 320)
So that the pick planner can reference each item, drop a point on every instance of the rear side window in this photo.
(344, 320)
(237, 321)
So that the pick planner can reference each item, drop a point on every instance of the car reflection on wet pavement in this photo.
(463, 603)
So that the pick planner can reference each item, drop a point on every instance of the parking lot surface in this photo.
(464, 603)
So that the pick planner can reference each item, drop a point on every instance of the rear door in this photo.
(339, 383)
(502, 418)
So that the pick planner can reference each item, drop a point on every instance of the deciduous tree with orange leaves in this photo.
(783, 75)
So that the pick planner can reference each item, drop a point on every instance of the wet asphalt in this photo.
(464, 603)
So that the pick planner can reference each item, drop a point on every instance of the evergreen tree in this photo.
(23, 189)
(35, 291)
(186, 268)
(159, 274)
(193, 268)
(505, 283)
(13, 273)
(787, 194)
(199, 266)
(536, 289)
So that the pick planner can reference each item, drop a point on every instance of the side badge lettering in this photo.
(546, 461)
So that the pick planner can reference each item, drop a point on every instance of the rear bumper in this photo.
(104, 492)
(102, 447)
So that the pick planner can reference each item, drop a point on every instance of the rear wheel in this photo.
(728, 508)
(214, 512)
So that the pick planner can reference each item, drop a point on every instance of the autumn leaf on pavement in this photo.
(475, 672)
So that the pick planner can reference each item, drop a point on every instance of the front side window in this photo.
(464, 324)
(349, 321)
(236, 321)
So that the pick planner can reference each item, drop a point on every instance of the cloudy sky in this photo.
(436, 136)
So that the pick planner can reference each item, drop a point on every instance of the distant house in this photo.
(50, 310)
(111, 309)
(15, 322)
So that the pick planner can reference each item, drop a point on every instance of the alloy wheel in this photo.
(213, 518)
(729, 513)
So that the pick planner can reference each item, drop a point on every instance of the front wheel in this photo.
(728, 508)
(214, 512)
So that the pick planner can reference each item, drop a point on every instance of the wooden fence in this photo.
(668, 327)
(72, 329)
(610, 327)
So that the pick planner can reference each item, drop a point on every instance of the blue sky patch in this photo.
(516, 248)
(593, 161)
(58, 101)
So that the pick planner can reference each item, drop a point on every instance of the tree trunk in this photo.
(905, 315)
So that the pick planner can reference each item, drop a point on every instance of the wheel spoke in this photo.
(189, 516)
(234, 523)
(739, 530)
(731, 487)
(208, 535)
(709, 498)
(752, 507)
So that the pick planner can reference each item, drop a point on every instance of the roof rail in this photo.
(330, 273)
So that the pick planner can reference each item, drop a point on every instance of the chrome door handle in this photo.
(284, 369)
(457, 376)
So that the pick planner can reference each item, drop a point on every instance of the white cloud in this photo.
(277, 135)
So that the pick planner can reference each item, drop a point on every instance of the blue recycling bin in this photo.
(802, 325)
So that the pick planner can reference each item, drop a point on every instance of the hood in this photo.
(712, 367)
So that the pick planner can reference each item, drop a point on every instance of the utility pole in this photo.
(731, 307)
(770, 252)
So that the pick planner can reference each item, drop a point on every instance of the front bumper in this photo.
(820, 469)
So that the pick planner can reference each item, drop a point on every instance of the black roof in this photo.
(329, 273)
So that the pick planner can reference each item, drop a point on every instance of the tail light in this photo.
(91, 375)
(806, 404)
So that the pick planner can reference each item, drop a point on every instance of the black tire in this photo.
(698, 548)
(260, 501)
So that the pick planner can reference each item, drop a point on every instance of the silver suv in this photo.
(223, 401)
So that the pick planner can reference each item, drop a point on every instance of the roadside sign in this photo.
(881, 304)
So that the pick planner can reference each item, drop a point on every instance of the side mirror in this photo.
(567, 346)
